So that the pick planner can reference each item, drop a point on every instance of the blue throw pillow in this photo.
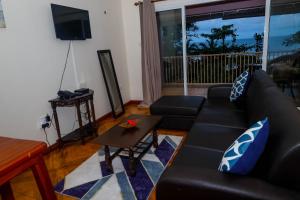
(239, 86)
(242, 155)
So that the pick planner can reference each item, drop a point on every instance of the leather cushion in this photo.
(193, 183)
(280, 160)
(212, 136)
(219, 91)
(222, 104)
(229, 118)
(177, 105)
(255, 104)
(198, 157)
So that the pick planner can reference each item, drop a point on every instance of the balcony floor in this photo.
(178, 90)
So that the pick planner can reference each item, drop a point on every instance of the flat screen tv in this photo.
(71, 23)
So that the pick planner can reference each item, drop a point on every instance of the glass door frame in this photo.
(168, 5)
(165, 7)
(266, 35)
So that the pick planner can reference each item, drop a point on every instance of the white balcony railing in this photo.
(208, 68)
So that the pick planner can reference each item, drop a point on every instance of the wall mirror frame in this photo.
(111, 82)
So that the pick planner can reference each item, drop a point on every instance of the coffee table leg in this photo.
(132, 170)
(155, 138)
(107, 158)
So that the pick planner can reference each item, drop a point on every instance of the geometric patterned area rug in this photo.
(92, 180)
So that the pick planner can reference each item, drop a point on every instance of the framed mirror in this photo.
(111, 82)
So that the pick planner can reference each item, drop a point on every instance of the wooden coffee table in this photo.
(130, 140)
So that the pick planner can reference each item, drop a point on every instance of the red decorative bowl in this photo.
(130, 123)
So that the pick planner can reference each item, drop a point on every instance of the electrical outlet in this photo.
(44, 121)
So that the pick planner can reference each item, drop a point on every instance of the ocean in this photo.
(275, 43)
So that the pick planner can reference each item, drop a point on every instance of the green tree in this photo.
(293, 39)
(210, 45)
(192, 48)
(259, 42)
(216, 41)
(224, 32)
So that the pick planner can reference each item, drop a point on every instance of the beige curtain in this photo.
(151, 70)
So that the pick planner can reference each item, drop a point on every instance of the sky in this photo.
(283, 25)
(246, 27)
(280, 25)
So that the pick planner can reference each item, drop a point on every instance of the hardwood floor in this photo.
(62, 162)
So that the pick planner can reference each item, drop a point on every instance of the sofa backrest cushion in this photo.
(279, 162)
(254, 104)
(282, 152)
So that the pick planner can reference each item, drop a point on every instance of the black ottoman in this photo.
(179, 112)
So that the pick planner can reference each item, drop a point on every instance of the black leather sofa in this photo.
(194, 173)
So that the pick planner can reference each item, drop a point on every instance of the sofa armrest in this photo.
(189, 183)
(219, 91)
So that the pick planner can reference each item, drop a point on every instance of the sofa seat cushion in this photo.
(177, 105)
(223, 104)
(221, 117)
(212, 136)
(198, 157)
(185, 182)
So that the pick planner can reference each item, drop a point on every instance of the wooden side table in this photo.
(16, 156)
(86, 99)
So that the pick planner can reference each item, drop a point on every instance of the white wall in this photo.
(131, 21)
(32, 59)
(132, 33)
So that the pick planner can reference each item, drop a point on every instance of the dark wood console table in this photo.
(86, 99)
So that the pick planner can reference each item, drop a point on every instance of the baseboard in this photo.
(107, 115)
(52, 148)
(133, 102)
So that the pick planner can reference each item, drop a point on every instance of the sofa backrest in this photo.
(279, 162)
(255, 106)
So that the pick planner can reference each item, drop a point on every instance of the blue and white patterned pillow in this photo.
(240, 86)
(242, 155)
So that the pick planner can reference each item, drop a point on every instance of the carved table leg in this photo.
(94, 116)
(132, 167)
(89, 116)
(108, 158)
(80, 123)
(60, 142)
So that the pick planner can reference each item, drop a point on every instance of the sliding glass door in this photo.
(171, 50)
(284, 46)
(223, 40)
(207, 44)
